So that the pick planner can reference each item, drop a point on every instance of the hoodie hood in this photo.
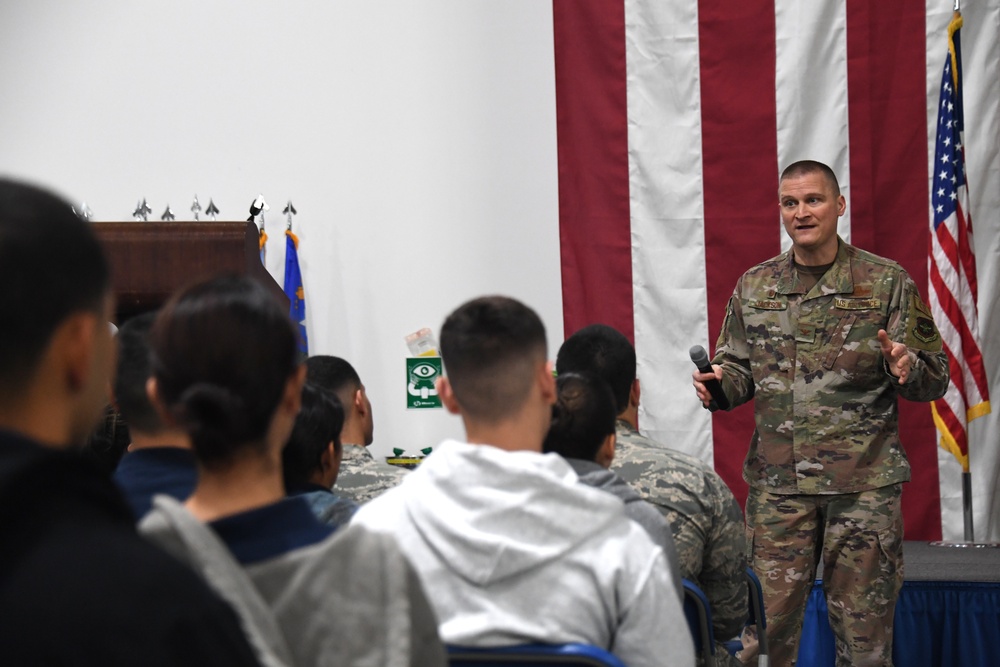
(490, 514)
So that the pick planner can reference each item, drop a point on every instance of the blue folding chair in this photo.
(699, 618)
(527, 655)
(756, 616)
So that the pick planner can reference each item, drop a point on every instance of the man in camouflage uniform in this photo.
(824, 338)
(705, 519)
(361, 477)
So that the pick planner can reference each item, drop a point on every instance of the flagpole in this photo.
(970, 531)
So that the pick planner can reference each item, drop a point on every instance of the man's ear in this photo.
(359, 401)
(74, 342)
(327, 458)
(292, 400)
(633, 394)
(156, 398)
(606, 453)
(547, 383)
(447, 395)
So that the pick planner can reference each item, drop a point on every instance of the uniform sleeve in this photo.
(911, 323)
(733, 354)
(721, 578)
(652, 625)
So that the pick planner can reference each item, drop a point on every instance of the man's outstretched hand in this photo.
(897, 356)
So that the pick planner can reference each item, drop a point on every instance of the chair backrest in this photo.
(757, 616)
(699, 618)
(526, 655)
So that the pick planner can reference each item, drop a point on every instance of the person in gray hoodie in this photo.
(510, 548)
(583, 433)
(305, 595)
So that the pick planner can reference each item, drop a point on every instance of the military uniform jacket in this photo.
(825, 403)
(363, 477)
(705, 520)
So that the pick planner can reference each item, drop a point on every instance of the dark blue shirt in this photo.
(145, 473)
(270, 531)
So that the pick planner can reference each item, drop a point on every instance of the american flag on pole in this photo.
(952, 266)
(674, 119)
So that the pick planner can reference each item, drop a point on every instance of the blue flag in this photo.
(293, 289)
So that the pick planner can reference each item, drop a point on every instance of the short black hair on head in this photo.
(332, 373)
(51, 266)
(316, 426)
(134, 370)
(583, 416)
(605, 352)
(805, 167)
(490, 347)
(223, 352)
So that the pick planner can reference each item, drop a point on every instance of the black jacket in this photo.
(78, 586)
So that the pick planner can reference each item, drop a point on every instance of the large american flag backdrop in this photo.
(674, 118)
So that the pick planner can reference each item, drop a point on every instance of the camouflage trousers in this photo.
(859, 537)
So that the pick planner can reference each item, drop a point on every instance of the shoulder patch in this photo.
(924, 330)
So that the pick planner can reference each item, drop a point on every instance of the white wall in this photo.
(416, 139)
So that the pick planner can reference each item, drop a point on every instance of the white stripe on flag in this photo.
(811, 84)
(667, 216)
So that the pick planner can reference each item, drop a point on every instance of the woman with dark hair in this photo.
(225, 370)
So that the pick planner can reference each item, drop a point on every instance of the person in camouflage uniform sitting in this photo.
(362, 477)
(704, 517)
(824, 338)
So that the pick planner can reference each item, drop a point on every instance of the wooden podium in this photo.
(152, 260)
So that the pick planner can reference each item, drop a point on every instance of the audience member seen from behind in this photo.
(511, 547)
(362, 476)
(705, 519)
(310, 460)
(159, 458)
(79, 586)
(305, 596)
(583, 433)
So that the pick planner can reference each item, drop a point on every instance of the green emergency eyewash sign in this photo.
(421, 375)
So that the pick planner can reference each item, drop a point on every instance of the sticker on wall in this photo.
(421, 375)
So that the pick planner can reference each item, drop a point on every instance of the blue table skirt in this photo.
(938, 624)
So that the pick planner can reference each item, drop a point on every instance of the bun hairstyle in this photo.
(583, 416)
(223, 351)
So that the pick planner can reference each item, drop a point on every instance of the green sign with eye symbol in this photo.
(421, 375)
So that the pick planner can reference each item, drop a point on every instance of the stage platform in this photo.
(948, 612)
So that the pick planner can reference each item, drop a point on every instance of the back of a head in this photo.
(223, 351)
(806, 167)
(51, 266)
(134, 370)
(332, 374)
(490, 347)
(317, 425)
(605, 352)
(583, 416)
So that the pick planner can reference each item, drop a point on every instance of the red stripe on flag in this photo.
(971, 354)
(955, 426)
(886, 71)
(967, 253)
(740, 176)
(591, 120)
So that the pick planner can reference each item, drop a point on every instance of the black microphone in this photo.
(700, 359)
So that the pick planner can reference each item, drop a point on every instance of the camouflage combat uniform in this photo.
(363, 477)
(825, 462)
(705, 519)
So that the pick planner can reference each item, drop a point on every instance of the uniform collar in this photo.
(352, 452)
(838, 280)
